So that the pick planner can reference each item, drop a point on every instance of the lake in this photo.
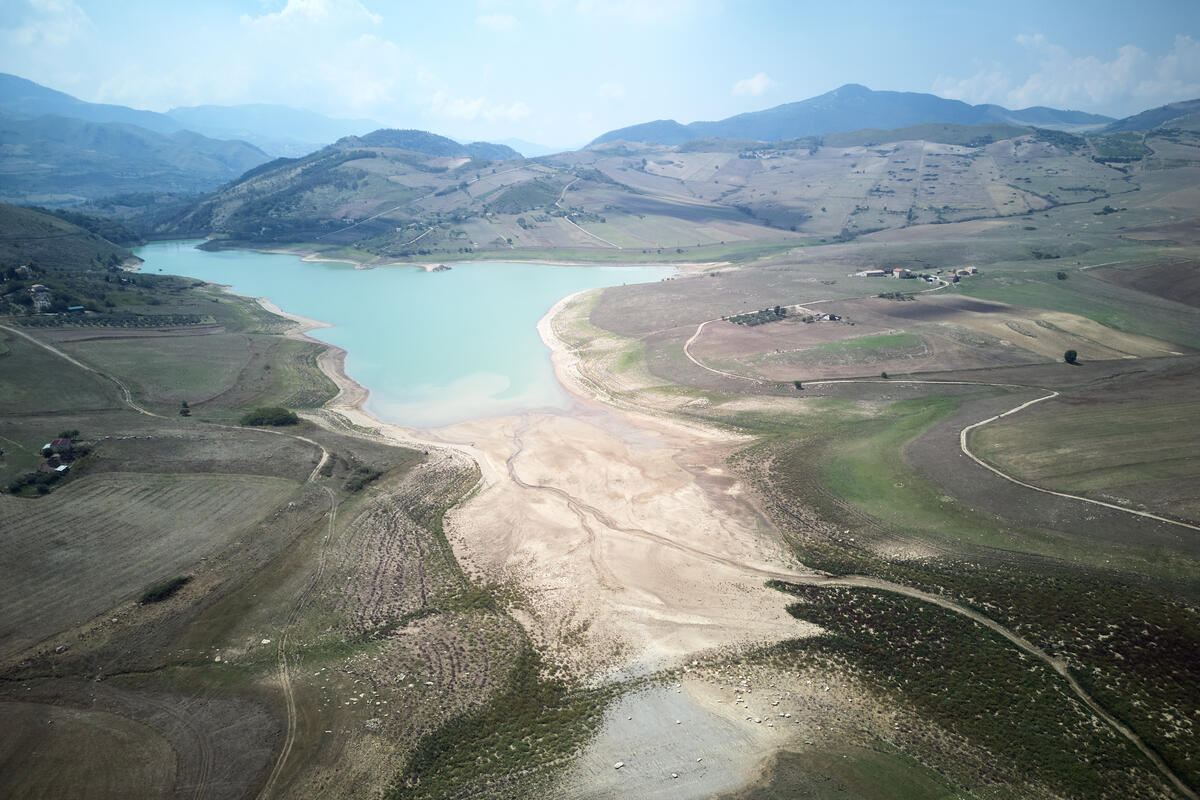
(433, 348)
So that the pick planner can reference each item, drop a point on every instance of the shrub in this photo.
(164, 590)
(270, 415)
(1070, 356)
(360, 478)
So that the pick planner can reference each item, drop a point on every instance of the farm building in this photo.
(60, 446)
(870, 273)
(901, 272)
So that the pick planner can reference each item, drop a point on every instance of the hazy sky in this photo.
(560, 72)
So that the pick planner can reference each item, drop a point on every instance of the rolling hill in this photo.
(1183, 114)
(63, 160)
(394, 195)
(851, 107)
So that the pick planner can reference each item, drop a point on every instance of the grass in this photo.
(1126, 635)
(1135, 449)
(28, 371)
(868, 470)
(967, 680)
(878, 772)
(883, 341)
(1091, 298)
(501, 749)
(171, 369)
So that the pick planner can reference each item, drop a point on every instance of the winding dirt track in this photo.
(285, 678)
(818, 579)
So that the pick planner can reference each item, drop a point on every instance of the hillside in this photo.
(851, 107)
(430, 144)
(61, 160)
(379, 197)
(1180, 115)
(75, 266)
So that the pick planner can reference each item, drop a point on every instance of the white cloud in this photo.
(42, 23)
(753, 86)
(338, 13)
(471, 109)
(497, 22)
(1130, 81)
(611, 91)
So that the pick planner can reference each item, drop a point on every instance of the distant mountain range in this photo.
(852, 107)
(59, 160)
(276, 130)
(56, 149)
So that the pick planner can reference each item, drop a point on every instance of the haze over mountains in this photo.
(851, 107)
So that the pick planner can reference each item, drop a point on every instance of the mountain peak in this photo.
(849, 107)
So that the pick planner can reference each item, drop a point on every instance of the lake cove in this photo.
(433, 348)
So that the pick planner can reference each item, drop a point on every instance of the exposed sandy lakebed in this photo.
(630, 547)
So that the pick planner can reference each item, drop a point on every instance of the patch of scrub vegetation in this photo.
(503, 749)
(270, 415)
(969, 681)
(760, 317)
(1126, 632)
(164, 590)
(537, 193)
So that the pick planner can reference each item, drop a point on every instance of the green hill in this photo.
(61, 160)
(49, 266)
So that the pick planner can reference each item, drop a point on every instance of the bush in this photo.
(39, 481)
(360, 478)
(270, 415)
(1070, 356)
(164, 590)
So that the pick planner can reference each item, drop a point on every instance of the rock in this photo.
(62, 648)
(618, 765)
(674, 774)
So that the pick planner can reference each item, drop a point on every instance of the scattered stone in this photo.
(62, 648)
(618, 765)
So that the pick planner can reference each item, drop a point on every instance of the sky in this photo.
(561, 72)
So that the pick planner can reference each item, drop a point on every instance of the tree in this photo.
(1070, 356)
(798, 384)
(1062, 276)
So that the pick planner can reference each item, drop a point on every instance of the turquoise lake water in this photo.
(433, 348)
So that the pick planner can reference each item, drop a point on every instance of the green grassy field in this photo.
(849, 771)
(1144, 453)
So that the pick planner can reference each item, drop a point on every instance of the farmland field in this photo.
(1137, 447)
(52, 753)
(113, 535)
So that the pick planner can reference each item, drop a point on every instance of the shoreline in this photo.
(313, 256)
